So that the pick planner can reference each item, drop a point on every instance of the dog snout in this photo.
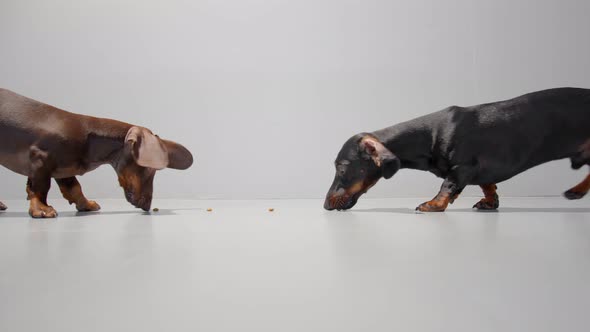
(328, 205)
(143, 203)
(337, 200)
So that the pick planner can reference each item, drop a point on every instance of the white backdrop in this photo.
(264, 92)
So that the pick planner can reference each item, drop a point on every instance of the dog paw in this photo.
(89, 206)
(429, 207)
(486, 205)
(571, 194)
(43, 212)
(2, 206)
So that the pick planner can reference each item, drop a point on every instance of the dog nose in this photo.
(145, 204)
(332, 198)
(327, 205)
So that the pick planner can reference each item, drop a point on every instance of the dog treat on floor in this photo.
(209, 209)
(271, 210)
(156, 210)
(477, 145)
(62, 145)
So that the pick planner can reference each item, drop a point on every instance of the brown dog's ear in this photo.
(147, 149)
(381, 156)
(179, 157)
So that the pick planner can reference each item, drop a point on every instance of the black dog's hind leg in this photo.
(579, 190)
(72, 191)
(579, 160)
(490, 200)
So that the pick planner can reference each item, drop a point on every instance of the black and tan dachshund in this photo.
(478, 145)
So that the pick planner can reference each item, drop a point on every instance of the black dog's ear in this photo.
(390, 166)
(381, 156)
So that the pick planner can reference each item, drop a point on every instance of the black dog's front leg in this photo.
(450, 189)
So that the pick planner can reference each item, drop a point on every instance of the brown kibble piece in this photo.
(271, 210)
(156, 210)
(209, 209)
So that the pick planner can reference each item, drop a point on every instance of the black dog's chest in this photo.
(439, 167)
(439, 173)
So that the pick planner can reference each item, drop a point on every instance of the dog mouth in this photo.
(141, 202)
(341, 202)
(344, 199)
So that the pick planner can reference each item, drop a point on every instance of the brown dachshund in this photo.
(42, 142)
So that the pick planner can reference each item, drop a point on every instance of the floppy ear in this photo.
(381, 156)
(147, 149)
(179, 157)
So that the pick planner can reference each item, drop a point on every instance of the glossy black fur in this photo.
(482, 144)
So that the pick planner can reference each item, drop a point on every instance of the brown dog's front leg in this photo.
(2, 206)
(38, 185)
(72, 191)
(38, 207)
(29, 191)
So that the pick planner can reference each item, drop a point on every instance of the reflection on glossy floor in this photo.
(380, 267)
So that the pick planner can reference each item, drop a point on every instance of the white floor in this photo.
(379, 267)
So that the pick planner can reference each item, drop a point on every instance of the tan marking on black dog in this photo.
(438, 204)
(356, 188)
(580, 190)
(491, 200)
